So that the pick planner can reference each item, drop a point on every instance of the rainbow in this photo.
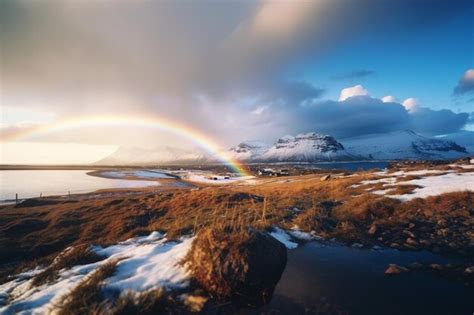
(179, 129)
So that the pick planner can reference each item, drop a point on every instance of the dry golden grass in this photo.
(148, 303)
(332, 208)
(88, 296)
(78, 255)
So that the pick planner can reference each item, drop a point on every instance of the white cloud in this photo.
(259, 110)
(466, 83)
(356, 90)
(411, 104)
(389, 99)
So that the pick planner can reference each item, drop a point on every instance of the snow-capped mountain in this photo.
(464, 138)
(308, 147)
(126, 155)
(248, 150)
(404, 144)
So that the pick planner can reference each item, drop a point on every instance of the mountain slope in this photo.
(463, 138)
(248, 150)
(403, 145)
(157, 155)
(308, 147)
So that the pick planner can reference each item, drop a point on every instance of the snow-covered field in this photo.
(436, 185)
(207, 177)
(431, 183)
(143, 263)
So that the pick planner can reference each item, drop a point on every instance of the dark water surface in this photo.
(348, 166)
(337, 279)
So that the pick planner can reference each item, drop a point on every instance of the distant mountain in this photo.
(126, 155)
(248, 150)
(464, 138)
(308, 147)
(404, 144)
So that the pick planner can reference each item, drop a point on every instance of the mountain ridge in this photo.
(304, 147)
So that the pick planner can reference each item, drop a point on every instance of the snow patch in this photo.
(436, 185)
(145, 262)
(283, 237)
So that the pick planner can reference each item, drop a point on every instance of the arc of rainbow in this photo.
(181, 130)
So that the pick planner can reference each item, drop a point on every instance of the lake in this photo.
(32, 183)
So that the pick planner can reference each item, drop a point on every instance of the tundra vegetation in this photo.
(230, 224)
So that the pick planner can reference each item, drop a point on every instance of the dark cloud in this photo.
(355, 74)
(360, 115)
(436, 122)
(196, 61)
(354, 116)
(465, 83)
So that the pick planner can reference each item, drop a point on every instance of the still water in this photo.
(337, 279)
(348, 166)
(32, 183)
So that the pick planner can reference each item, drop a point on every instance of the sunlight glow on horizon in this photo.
(43, 153)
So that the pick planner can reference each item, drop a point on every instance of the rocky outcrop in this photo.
(242, 266)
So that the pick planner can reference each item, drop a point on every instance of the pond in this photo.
(337, 279)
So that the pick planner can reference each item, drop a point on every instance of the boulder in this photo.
(372, 230)
(469, 270)
(395, 269)
(243, 266)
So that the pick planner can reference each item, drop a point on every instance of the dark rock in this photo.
(395, 269)
(372, 230)
(469, 270)
(411, 242)
(240, 266)
(436, 267)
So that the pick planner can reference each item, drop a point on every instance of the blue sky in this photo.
(425, 63)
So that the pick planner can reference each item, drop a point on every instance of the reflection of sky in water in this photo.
(147, 174)
(31, 183)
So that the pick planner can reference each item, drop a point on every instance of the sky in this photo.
(232, 70)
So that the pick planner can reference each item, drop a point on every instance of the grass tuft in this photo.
(77, 255)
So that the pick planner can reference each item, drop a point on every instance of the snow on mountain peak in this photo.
(247, 150)
(403, 144)
(306, 147)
